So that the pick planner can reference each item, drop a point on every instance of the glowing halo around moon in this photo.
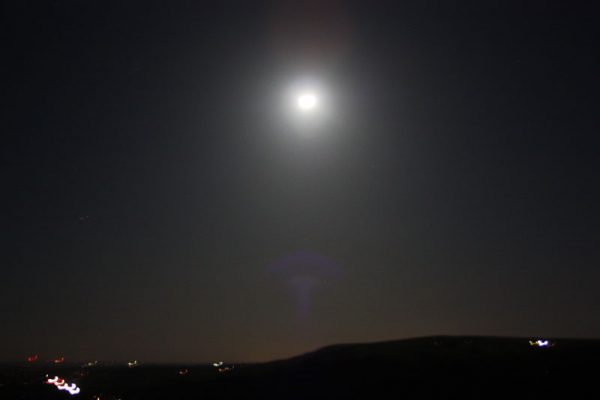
(307, 108)
(307, 101)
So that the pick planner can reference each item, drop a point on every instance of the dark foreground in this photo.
(424, 368)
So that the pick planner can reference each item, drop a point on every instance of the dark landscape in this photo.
(420, 368)
(283, 199)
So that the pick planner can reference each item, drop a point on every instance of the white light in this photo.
(541, 343)
(307, 101)
(75, 391)
(72, 388)
(60, 384)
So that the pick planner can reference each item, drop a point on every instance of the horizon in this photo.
(42, 361)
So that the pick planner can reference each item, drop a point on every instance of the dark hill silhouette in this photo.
(439, 367)
(435, 367)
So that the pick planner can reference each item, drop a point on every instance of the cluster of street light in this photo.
(61, 384)
(541, 343)
(90, 364)
(35, 357)
(221, 367)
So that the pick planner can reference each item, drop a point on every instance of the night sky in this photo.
(162, 199)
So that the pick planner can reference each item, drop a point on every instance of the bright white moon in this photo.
(307, 101)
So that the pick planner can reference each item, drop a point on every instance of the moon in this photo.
(307, 101)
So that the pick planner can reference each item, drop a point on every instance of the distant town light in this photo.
(72, 388)
(90, 364)
(541, 343)
(53, 381)
(60, 384)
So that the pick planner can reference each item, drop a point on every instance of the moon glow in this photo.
(307, 101)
